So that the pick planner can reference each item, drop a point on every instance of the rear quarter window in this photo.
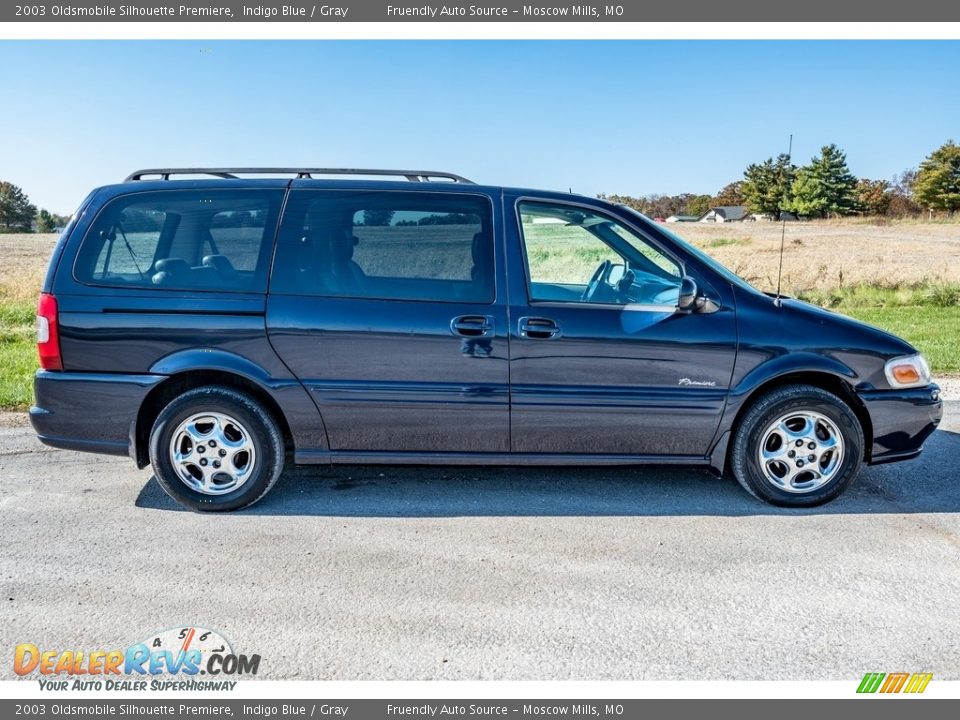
(214, 240)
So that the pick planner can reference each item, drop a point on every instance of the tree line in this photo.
(824, 188)
(19, 215)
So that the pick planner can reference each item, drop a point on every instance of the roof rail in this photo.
(411, 175)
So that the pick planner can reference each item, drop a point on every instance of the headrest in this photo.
(169, 270)
(172, 265)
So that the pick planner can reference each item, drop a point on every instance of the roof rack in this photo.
(411, 175)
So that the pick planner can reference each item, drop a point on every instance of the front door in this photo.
(601, 359)
(384, 304)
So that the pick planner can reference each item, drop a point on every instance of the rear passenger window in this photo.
(182, 240)
(386, 245)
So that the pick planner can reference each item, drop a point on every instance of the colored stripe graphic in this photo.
(895, 682)
(870, 682)
(918, 682)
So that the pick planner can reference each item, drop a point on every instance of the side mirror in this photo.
(688, 293)
(692, 300)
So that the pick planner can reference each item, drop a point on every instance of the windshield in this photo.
(695, 251)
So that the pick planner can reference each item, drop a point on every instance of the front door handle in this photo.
(472, 326)
(537, 328)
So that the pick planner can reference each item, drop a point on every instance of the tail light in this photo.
(48, 333)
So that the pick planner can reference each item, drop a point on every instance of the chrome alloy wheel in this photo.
(801, 451)
(212, 453)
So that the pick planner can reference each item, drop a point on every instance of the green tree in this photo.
(873, 196)
(45, 222)
(825, 187)
(766, 186)
(937, 186)
(731, 194)
(377, 217)
(16, 212)
(698, 205)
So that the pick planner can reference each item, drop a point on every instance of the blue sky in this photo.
(630, 117)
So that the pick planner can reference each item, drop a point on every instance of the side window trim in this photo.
(633, 307)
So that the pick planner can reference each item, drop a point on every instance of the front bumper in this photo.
(902, 420)
(92, 412)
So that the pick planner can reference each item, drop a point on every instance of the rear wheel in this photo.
(216, 449)
(797, 446)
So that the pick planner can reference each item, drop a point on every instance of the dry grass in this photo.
(23, 262)
(825, 255)
(818, 255)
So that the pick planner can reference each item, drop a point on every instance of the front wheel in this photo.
(216, 449)
(797, 446)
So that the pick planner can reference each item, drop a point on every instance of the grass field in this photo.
(23, 260)
(900, 276)
(18, 353)
(933, 330)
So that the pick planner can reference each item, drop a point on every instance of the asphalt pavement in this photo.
(464, 573)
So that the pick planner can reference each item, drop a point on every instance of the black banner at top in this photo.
(735, 11)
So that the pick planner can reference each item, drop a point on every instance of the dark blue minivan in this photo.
(215, 322)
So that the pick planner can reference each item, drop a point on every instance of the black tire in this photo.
(770, 407)
(264, 434)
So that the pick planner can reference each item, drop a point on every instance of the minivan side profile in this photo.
(217, 323)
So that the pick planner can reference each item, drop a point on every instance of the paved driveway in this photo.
(380, 573)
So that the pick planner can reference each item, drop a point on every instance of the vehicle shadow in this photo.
(928, 484)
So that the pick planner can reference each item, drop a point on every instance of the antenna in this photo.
(778, 300)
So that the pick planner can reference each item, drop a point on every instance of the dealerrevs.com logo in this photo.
(897, 682)
(173, 659)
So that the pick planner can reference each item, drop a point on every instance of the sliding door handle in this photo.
(537, 328)
(472, 326)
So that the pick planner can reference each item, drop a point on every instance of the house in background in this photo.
(682, 218)
(725, 213)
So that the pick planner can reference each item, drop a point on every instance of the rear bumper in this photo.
(902, 420)
(91, 412)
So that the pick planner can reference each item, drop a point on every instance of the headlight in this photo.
(906, 372)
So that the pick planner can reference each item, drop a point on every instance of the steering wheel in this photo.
(599, 275)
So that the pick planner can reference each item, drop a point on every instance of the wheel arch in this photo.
(819, 378)
(188, 379)
(830, 382)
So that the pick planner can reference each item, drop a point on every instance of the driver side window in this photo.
(576, 255)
